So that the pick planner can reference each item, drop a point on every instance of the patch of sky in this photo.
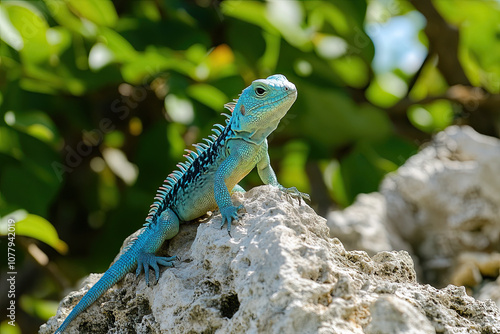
(396, 43)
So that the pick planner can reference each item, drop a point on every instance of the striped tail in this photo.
(115, 273)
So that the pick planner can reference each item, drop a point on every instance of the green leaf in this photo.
(249, 11)
(335, 183)
(293, 166)
(352, 70)
(208, 95)
(35, 123)
(59, 38)
(66, 18)
(9, 142)
(479, 50)
(153, 61)
(32, 27)
(6, 328)
(347, 19)
(333, 119)
(101, 12)
(36, 307)
(361, 173)
(386, 90)
(34, 226)
(431, 117)
(8, 32)
(429, 82)
(29, 185)
(122, 50)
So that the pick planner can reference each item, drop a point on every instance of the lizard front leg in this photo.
(222, 196)
(268, 176)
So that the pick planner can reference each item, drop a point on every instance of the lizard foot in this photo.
(147, 260)
(229, 214)
(294, 192)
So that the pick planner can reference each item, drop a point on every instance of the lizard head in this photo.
(261, 106)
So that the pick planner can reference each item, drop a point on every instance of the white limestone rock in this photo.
(446, 199)
(279, 273)
(363, 226)
(443, 203)
(490, 291)
(392, 315)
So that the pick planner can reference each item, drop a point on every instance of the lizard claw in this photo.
(146, 260)
(229, 214)
(294, 192)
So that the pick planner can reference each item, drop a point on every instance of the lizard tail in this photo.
(115, 273)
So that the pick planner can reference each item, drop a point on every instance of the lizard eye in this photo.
(260, 91)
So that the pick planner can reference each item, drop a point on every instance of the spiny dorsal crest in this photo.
(230, 106)
(175, 176)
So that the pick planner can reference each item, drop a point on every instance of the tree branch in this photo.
(443, 40)
(469, 97)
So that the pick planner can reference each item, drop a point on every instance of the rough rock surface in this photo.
(280, 273)
(442, 206)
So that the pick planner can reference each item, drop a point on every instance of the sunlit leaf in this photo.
(430, 82)
(66, 18)
(347, 19)
(8, 33)
(9, 143)
(384, 91)
(34, 226)
(250, 11)
(121, 48)
(293, 166)
(335, 183)
(154, 61)
(108, 193)
(196, 53)
(353, 70)
(431, 117)
(6, 328)
(288, 17)
(479, 51)
(35, 123)
(32, 27)
(114, 139)
(208, 95)
(101, 12)
(43, 309)
(59, 38)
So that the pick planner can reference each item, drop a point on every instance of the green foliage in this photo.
(34, 226)
(98, 99)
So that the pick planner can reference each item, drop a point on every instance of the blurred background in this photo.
(99, 98)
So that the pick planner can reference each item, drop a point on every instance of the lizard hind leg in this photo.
(147, 260)
(166, 227)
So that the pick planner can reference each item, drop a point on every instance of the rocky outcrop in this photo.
(281, 272)
(442, 206)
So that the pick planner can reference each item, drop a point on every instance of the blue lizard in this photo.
(203, 182)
